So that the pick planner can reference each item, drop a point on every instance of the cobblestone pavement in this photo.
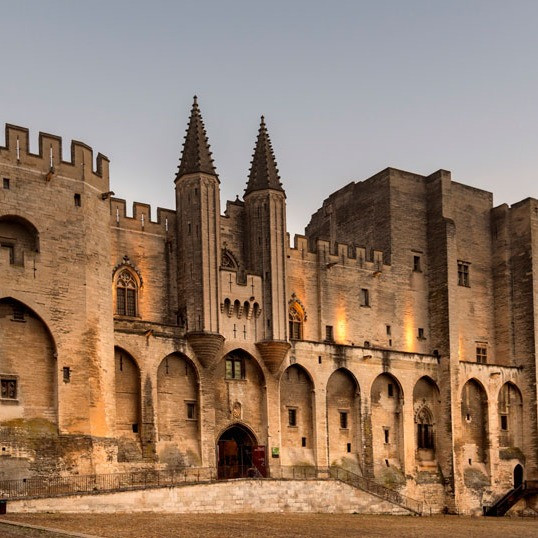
(153, 525)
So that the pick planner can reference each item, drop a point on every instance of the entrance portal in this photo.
(238, 454)
(518, 476)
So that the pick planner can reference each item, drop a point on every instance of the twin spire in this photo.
(196, 156)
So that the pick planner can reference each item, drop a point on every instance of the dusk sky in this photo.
(348, 88)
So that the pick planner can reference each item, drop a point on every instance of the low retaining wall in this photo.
(233, 496)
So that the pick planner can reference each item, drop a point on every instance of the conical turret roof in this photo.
(263, 170)
(196, 156)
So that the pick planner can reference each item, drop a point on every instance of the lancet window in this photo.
(126, 294)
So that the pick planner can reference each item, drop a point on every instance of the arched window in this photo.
(296, 318)
(126, 294)
(424, 422)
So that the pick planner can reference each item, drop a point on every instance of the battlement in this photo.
(141, 219)
(48, 160)
(337, 254)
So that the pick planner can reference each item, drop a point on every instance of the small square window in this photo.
(191, 411)
(292, 417)
(329, 336)
(463, 274)
(18, 313)
(8, 388)
(5, 183)
(481, 353)
(78, 200)
(504, 423)
(365, 297)
(11, 251)
(416, 264)
(135, 428)
(303, 442)
(421, 334)
(343, 420)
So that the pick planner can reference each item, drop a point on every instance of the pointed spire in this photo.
(196, 156)
(263, 171)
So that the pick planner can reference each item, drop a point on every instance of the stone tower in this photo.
(198, 240)
(265, 211)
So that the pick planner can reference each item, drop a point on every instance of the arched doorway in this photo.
(238, 454)
(518, 476)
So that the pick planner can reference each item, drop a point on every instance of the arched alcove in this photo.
(178, 411)
(510, 408)
(296, 416)
(387, 429)
(28, 371)
(343, 417)
(426, 400)
(18, 236)
(127, 382)
(474, 419)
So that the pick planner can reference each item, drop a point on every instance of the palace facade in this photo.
(397, 338)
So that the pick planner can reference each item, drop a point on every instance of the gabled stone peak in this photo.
(196, 156)
(263, 170)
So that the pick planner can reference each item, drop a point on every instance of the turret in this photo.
(198, 227)
(265, 209)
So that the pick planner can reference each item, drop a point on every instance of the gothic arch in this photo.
(28, 379)
(474, 419)
(127, 284)
(426, 410)
(297, 415)
(18, 235)
(343, 417)
(296, 318)
(386, 398)
(510, 411)
(128, 394)
(178, 411)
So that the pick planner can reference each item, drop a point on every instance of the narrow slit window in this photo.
(292, 417)
(78, 200)
(5, 183)
(343, 420)
(191, 411)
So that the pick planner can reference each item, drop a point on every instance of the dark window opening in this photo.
(78, 200)
(235, 368)
(18, 312)
(365, 297)
(329, 336)
(387, 463)
(348, 447)
(481, 354)
(6, 183)
(424, 436)
(504, 423)
(389, 330)
(303, 441)
(416, 264)
(319, 359)
(386, 434)
(343, 420)
(8, 389)
(463, 274)
(390, 390)
(135, 428)
(292, 417)
(66, 374)
(421, 334)
(191, 411)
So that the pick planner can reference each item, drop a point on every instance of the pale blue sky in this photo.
(347, 87)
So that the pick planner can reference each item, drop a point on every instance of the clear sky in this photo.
(347, 88)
